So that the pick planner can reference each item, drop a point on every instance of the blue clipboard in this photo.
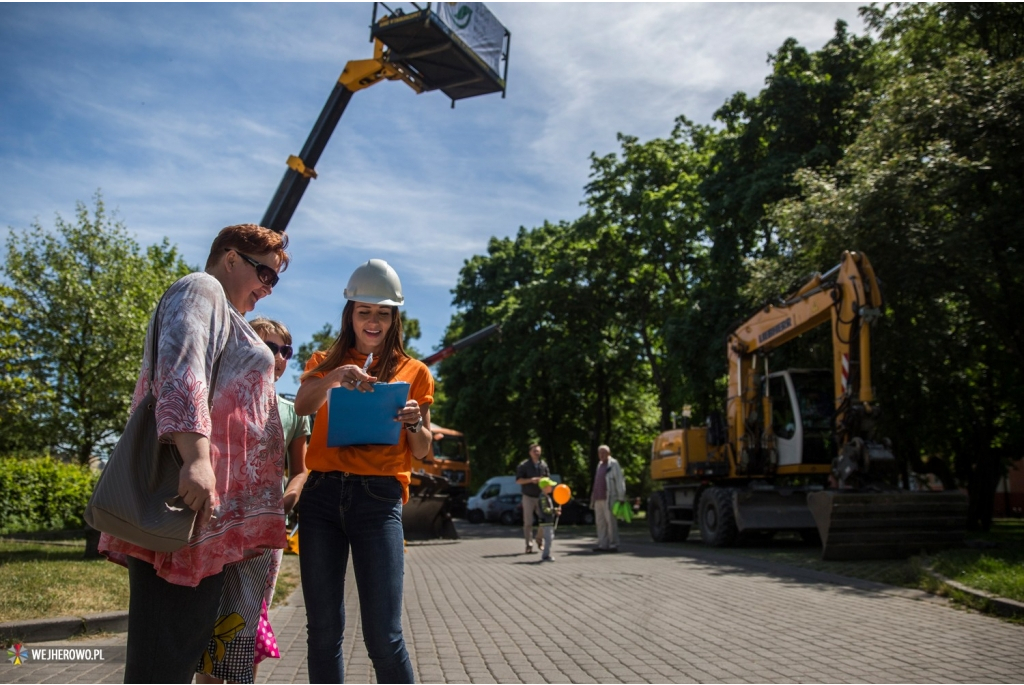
(365, 418)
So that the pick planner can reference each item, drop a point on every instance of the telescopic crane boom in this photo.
(425, 50)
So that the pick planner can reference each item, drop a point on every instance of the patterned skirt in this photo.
(242, 636)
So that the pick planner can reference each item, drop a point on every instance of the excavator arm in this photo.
(848, 298)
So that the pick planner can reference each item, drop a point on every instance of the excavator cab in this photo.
(802, 415)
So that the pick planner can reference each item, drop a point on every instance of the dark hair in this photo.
(384, 367)
(249, 239)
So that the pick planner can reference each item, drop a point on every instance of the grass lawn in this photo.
(42, 580)
(49, 580)
(994, 563)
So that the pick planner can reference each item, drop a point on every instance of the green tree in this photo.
(931, 190)
(646, 230)
(76, 304)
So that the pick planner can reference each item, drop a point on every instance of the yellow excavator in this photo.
(798, 449)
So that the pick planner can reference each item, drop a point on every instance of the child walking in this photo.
(548, 512)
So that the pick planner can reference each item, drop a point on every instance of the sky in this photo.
(183, 115)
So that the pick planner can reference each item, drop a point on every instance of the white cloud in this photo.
(184, 115)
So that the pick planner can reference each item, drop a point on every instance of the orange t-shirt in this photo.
(371, 460)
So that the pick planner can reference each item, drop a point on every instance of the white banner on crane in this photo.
(477, 27)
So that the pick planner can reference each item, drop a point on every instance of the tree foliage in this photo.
(76, 302)
(906, 146)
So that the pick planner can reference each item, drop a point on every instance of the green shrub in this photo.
(42, 494)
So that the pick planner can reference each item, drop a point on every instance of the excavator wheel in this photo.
(717, 519)
(660, 523)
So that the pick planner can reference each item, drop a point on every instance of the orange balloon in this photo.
(562, 494)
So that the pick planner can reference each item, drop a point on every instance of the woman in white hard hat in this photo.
(353, 495)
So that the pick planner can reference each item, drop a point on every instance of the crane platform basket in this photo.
(457, 48)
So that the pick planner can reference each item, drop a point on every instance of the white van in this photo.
(479, 507)
(476, 507)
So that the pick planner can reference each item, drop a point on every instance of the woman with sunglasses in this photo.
(352, 500)
(229, 443)
(243, 636)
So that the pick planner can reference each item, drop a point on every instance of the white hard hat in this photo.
(375, 282)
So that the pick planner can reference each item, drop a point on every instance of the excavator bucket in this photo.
(772, 509)
(427, 515)
(887, 525)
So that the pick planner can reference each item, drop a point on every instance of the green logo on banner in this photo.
(463, 17)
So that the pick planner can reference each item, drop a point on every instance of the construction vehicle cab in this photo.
(801, 416)
(451, 460)
(798, 448)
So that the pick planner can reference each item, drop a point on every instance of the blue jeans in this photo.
(337, 512)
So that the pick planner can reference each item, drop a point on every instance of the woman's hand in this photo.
(312, 393)
(351, 377)
(197, 484)
(410, 413)
(289, 501)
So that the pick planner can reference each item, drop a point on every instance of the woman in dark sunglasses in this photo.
(213, 381)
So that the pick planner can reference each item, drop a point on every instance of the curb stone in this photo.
(999, 605)
(47, 629)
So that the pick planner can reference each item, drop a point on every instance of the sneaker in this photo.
(547, 558)
(530, 549)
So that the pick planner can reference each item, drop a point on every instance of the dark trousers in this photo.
(361, 515)
(169, 625)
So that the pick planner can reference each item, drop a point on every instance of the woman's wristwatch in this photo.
(414, 427)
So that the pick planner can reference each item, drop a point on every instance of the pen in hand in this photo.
(366, 365)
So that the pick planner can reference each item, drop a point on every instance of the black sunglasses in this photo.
(266, 275)
(285, 350)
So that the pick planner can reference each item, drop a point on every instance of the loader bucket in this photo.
(427, 516)
(887, 525)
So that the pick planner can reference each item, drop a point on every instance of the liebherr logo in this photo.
(774, 330)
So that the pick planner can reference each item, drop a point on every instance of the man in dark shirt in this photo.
(528, 474)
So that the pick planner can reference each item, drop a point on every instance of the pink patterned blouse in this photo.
(246, 440)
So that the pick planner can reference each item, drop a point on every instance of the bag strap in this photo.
(156, 338)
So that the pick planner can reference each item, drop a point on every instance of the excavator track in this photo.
(887, 525)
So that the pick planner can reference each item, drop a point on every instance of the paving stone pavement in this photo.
(480, 611)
